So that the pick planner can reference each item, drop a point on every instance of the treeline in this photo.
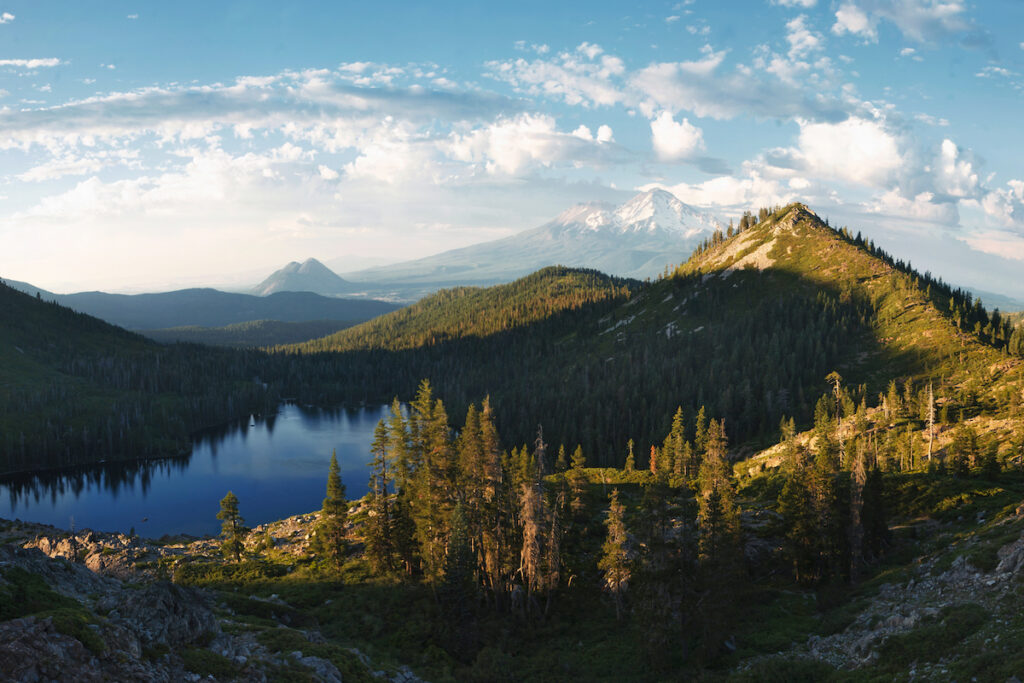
(966, 311)
(512, 532)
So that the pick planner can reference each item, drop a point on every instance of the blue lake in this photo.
(276, 465)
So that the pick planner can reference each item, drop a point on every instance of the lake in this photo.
(276, 465)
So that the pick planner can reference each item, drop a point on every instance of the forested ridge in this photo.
(745, 329)
(74, 389)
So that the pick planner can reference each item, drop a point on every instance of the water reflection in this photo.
(276, 465)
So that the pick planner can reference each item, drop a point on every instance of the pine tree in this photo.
(719, 544)
(700, 440)
(378, 530)
(456, 593)
(630, 460)
(614, 563)
(330, 531)
(660, 582)
(562, 462)
(233, 529)
(577, 480)
(531, 516)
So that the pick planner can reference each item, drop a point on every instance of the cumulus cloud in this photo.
(6, 18)
(857, 150)
(955, 175)
(1006, 204)
(806, 4)
(513, 146)
(675, 141)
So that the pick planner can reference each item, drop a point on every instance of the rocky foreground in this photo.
(100, 607)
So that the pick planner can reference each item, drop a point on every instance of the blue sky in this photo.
(148, 145)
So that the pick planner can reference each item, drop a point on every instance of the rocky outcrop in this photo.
(163, 614)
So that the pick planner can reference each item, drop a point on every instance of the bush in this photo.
(207, 663)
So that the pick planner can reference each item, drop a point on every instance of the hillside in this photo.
(251, 334)
(788, 295)
(637, 240)
(480, 312)
(74, 389)
(308, 276)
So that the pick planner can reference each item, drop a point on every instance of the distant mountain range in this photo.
(209, 307)
(637, 239)
(308, 276)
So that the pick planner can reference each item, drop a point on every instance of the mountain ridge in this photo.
(634, 240)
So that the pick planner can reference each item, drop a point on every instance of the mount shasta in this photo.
(637, 239)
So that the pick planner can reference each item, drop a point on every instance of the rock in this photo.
(1011, 557)
(323, 669)
(165, 614)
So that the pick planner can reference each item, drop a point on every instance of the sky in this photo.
(150, 145)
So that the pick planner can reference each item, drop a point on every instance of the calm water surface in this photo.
(277, 466)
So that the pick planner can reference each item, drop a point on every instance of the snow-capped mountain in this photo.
(637, 239)
(308, 276)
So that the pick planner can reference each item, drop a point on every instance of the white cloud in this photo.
(857, 150)
(1006, 205)
(672, 19)
(6, 18)
(327, 173)
(802, 40)
(577, 77)
(31, 63)
(71, 165)
(731, 193)
(108, 66)
(132, 16)
(515, 146)
(807, 4)
(924, 21)
(931, 120)
(907, 51)
(674, 141)
(955, 175)
(921, 206)
(852, 19)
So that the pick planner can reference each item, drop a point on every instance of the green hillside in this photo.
(74, 389)
(480, 312)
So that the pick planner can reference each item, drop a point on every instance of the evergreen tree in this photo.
(719, 544)
(456, 593)
(233, 529)
(330, 530)
(630, 460)
(380, 549)
(615, 564)
(577, 480)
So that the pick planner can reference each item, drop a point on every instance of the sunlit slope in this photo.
(479, 312)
